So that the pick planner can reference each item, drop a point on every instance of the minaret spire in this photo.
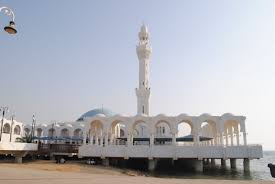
(143, 52)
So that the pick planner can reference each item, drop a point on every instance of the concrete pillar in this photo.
(152, 163)
(223, 163)
(213, 163)
(18, 159)
(198, 165)
(106, 162)
(172, 162)
(233, 163)
(246, 165)
(207, 161)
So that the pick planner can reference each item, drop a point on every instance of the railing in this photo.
(172, 151)
(61, 148)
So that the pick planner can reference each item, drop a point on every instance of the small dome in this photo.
(100, 115)
(94, 112)
(227, 114)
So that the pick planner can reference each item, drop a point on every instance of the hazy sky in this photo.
(208, 57)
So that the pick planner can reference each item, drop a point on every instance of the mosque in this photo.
(109, 136)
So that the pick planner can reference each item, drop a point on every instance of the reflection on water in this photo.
(208, 173)
(258, 170)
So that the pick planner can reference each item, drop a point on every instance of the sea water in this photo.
(258, 170)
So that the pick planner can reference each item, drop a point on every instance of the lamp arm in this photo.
(7, 11)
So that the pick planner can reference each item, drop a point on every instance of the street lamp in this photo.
(4, 110)
(33, 128)
(12, 122)
(11, 27)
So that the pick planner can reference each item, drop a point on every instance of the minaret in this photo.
(143, 52)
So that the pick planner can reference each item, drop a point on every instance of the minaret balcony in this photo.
(144, 51)
(143, 92)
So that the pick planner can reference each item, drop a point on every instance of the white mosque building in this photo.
(107, 135)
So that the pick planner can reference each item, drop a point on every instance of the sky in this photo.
(208, 57)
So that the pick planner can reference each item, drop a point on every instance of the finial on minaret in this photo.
(144, 52)
(143, 34)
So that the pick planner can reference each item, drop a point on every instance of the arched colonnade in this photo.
(223, 130)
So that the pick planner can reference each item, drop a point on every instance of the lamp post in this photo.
(11, 27)
(12, 122)
(33, 127)
(4, 110)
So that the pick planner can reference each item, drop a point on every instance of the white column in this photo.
(101, 140)
(152, 137)
(226, 138)
(244, 138)
(84, 137)
(231, 136)
(174, 141)
(238, 138)
(237, 135)
(96, 140)
(197, 138)
(222, 138)
(91, 139)
(215, 140)
(129, 141)
(106, 140)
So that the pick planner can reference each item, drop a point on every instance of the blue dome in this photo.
(94, 112)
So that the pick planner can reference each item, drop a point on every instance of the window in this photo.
(143, 109)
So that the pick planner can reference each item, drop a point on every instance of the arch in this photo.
(51, 132)
(118, 130)
(78, 133)
(122, 133)
(208, 128)
(27, 131)
(96, 127)
(163, 129)
(141, 128)
(96, 132)
(116, 126)
(231, 124)
(187, 120)
(6, 128)
(64, 133)
(39, 132)
(185, 128)
(17, 130)
(184, 118)
(231, 131)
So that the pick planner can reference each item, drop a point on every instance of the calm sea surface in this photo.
(258, 170)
